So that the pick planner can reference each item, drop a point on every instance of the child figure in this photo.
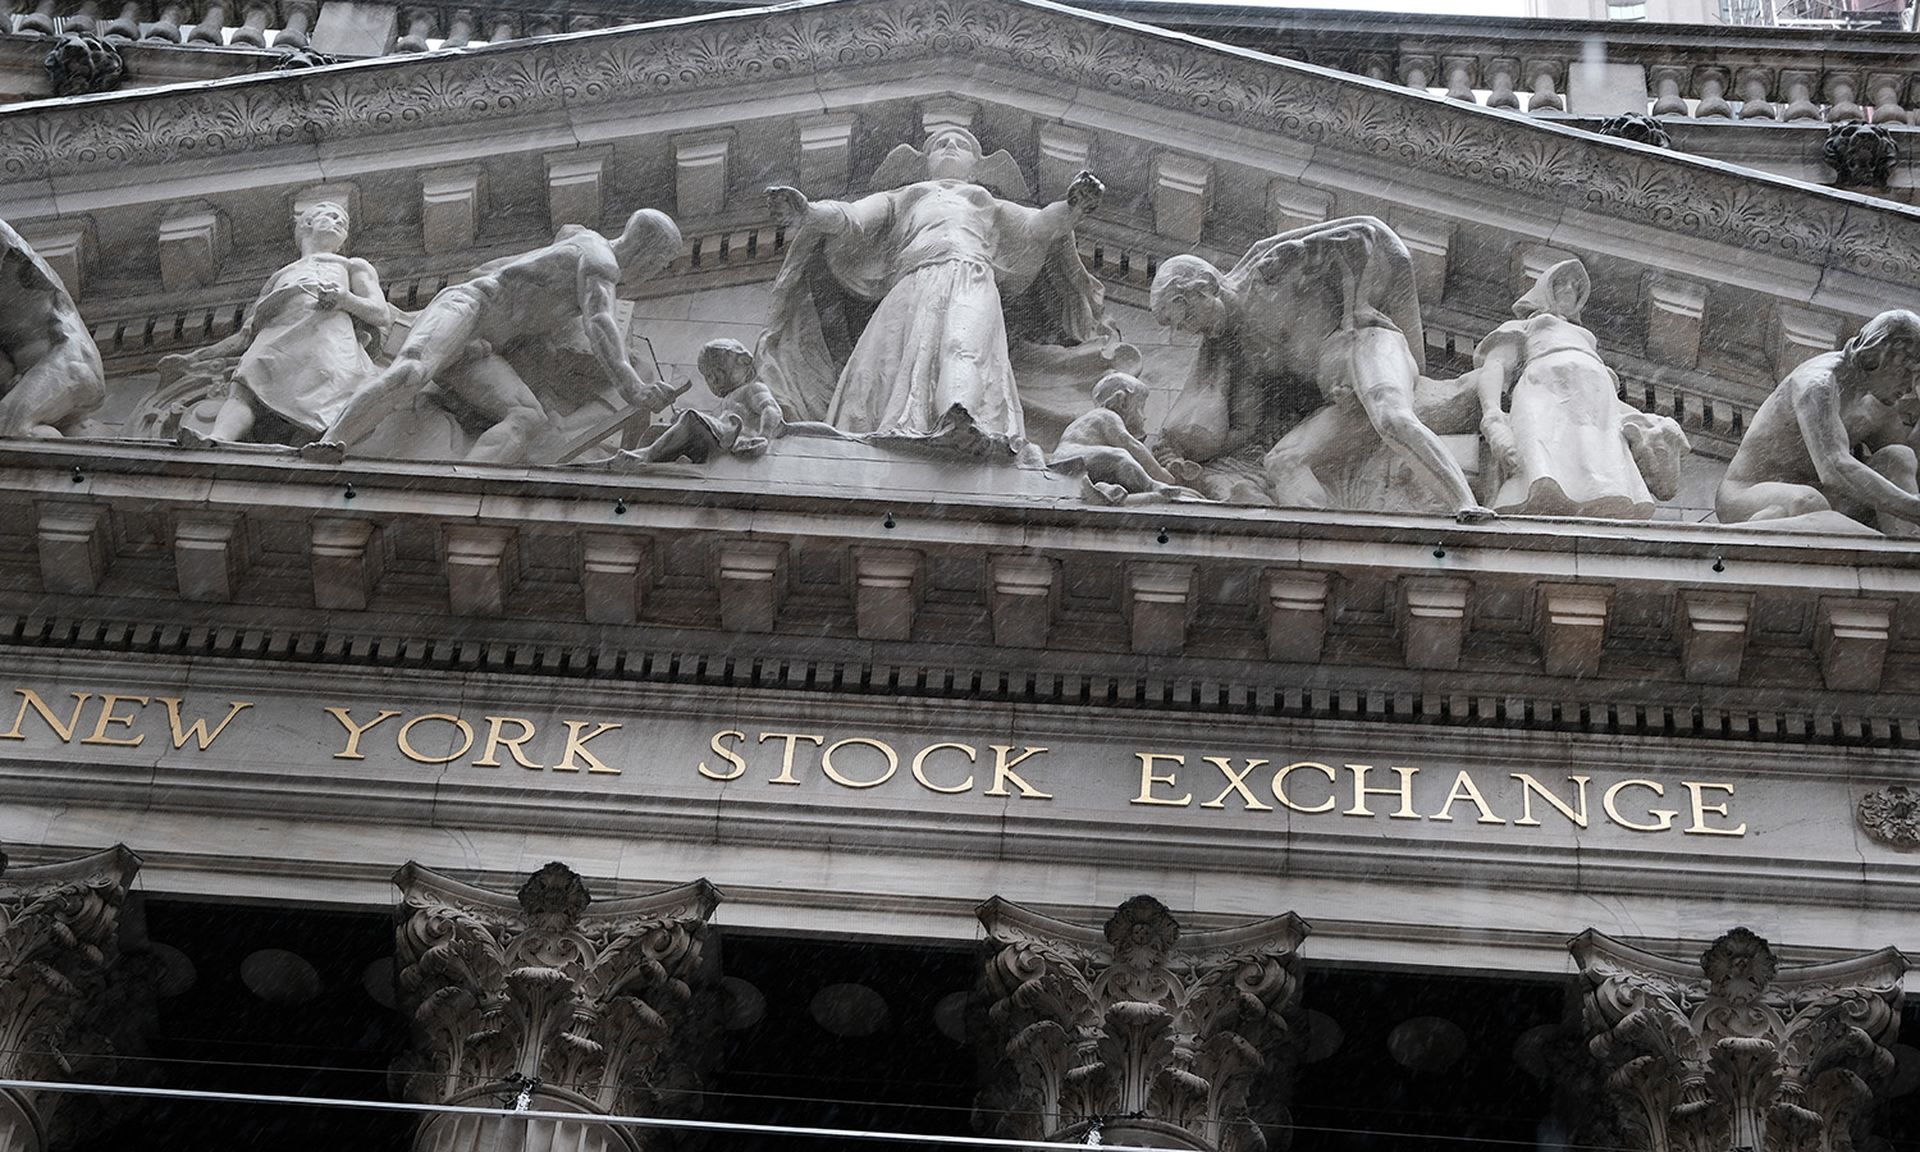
(749, 416)
(1104, 444)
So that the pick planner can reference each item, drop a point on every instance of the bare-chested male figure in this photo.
(1330, 303)
(50, 371)
(1830, 439)
(547, 293)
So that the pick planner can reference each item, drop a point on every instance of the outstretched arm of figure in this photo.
(1816, 405)
(1060, 217)
(792, 209)
(603, 337)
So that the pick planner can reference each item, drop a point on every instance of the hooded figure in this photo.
(915, 309)
(1567, 445)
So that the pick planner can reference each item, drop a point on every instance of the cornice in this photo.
(1235, 88)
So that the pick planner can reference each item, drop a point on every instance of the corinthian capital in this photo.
(572, 1004)
(1152, 1037)
(1735, 1051)
(57, 931)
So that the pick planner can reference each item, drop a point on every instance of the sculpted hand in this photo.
(789, 205)
(327, 297)
(653, 396)
(1083, 195)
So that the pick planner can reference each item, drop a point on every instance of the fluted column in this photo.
(545, 1001)
(1138, 1035)
(1735, 1051)
(57, 929)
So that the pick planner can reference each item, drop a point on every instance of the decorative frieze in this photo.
(1739, 1052)
(548, 999)
(1891, 815)
(1134, 1034)
(58, 927)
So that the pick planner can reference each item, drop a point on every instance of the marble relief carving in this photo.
(1891, 815)
(1829, 448)
(981, 307)
(51, 377)
(302, 349)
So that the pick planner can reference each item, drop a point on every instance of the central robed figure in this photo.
(911, 313)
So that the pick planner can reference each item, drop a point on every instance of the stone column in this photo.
(58, 924)
(1137, 1035)
(545, 1001)
(1735, 1051)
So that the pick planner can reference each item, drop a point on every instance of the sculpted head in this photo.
(1124, 395)
(725, 365)
(952, 154)
(1885, 355)
(1187, 297)
(1561, 290)
(648, 243)
(321, 226)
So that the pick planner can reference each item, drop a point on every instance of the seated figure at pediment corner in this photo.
(51, 377)
(302, 348)
(1831, 449)
(1311, 359)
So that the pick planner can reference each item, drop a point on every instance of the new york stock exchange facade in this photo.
(955, 569)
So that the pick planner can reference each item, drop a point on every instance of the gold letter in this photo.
(1280, 786)
(355, 731)
(732, 757)
(30, 698)
(1003, 772)
(198, 729)
(577, 746)
(1236, 782)
(491, 758)
(1663, 815)
(1465, 789)
(1361, 792)
(410, 752)
(1148, 780)
(833, 774)
(107, 704)
(786, 760)
(920, 764)
(1701, 808)
(1529, 786)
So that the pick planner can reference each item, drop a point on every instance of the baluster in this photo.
(1501, 70)
(419, 31)
(1544, 77)
(167, 27)
(1459, 73)
(1667, 79)
(1416, 72)
(39, 20)
(1886, 87)
(211, 25)
(1842, 88)
(253, 29)
(1754, 83)
(296, 22)
(459, 29)
(504, 28)
(1713, 94)
(1798, 86)
(125, 26)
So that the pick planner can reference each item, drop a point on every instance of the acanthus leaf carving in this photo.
(1126, 1030)
(1740, 1052)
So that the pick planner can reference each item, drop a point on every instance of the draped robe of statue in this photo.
(304, 361)
(935, 295)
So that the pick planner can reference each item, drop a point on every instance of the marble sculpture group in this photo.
(941, 314)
